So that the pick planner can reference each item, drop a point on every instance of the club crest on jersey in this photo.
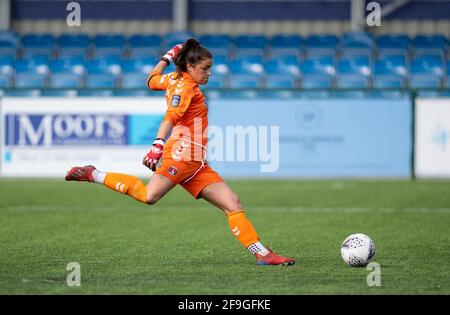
(175, 100)
(172, 170)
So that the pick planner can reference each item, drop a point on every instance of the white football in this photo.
(357, 250)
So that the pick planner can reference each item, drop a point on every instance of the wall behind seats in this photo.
(234, 17)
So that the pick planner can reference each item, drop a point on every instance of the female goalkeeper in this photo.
(181, 159)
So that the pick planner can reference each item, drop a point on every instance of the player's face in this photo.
(201, 71)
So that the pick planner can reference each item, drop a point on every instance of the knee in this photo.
(235, 204)
(152, 199)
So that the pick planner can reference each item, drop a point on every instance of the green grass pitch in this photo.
(183, 246)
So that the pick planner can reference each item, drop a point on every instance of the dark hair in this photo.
(191, 53)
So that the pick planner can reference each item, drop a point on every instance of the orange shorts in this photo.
(192, 176)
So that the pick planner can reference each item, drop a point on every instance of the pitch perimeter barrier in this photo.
(332, 137)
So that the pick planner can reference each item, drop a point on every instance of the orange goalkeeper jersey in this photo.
(186, 110)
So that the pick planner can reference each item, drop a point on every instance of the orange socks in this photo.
(242, 228)
(127, 184)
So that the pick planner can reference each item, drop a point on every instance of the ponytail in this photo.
(191, 53)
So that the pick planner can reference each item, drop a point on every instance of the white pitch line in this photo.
(64, 208)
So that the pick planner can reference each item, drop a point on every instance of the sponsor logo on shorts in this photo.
(173, 170)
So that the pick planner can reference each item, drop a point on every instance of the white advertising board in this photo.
(432, 137)
(44, 137)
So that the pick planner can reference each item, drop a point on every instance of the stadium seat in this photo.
(285, 80)
(249, 45)
(176, 37)
(317, 45)
(7, 64)
(30, 80)
(388, 81)
(38, 44)
(240, 94)
(73, 45)
(429, 44)
(321, 65)
(359, 65)
(144, 45)
(74, 65)
(9, 43)
(134, 80)
(36, 64)
(349, 94)
(285, 45)
(283, 65)
(217, 44)
(245, 80)
(250, 64)
(277, 94)
(217, 80)
(384, 94)
(424, 81)
(391, 65)
(138, 65)
(100, 80)
(352, 81)
(427, 64)
(65, 80)
(316, 81)
(324, 94)
(220, 65)
(110, 64)
(392, 44)
(5, 80)
(108, 45)
(355, 44)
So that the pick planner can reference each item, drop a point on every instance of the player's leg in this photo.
(124, 183)
(208, 185)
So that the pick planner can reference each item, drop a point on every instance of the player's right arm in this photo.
(157, 81)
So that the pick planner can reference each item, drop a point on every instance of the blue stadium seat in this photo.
(139, 65)
(73, 65)
(134, 80)
(217, 44)
(9, 43)
(144, 45)
(357, 44)
(316, 81)
(220, 65)
(429, 44)
(281, 81)
(96, 92)
(38, 44)
(388, 81)
(285, 45)
(349, 81)
(110, 64)
(59, 93)
(108, 45)
(384, 94)
(283, 65)
(35, 64)
(421, 81)
(7, 64)
(100, 80)
(312, 94)
(321, 45)
(357, 65)
(393, 44)
(23, 92)
(392, 65)
(323, 65)
(245, 80)
(30, 80)
(217, 80)
(5, 80)
(427, 64)
(73, 45)
(349, 94)
(250, 45)
(247, 65)
(65, 80)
